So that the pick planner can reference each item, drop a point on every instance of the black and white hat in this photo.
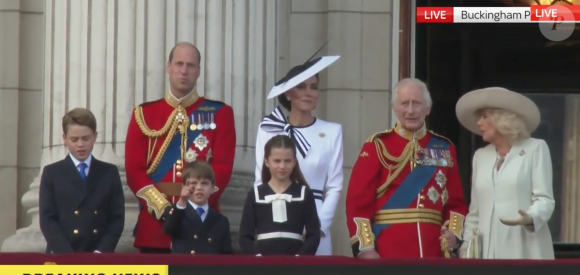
(301, 73)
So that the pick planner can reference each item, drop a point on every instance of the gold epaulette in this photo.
(440, 136)
(376, 135)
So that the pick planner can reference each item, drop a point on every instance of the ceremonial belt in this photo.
(411, 185)
(173, 152)
(408, 215)
(278, 235)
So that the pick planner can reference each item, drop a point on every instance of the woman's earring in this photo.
(288, 98)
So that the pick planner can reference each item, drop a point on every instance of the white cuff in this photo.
(258, 254)
(179, 207)
(96, 251)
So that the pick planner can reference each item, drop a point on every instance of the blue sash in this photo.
(173, 153)
(412, 185)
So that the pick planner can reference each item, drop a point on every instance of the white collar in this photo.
(195, 206)
(77, 162)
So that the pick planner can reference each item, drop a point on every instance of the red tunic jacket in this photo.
(149, 159)
(399, 213)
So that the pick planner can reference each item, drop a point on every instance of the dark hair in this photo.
(198, 170)
(281, 142)
(184, 44)
(81, 117)
(282, 98)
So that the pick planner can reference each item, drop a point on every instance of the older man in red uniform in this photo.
(405, 198)
(166, 134)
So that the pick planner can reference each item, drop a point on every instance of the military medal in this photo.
(190, 155)
(209, 155)
(193, 126)
(212, 124)
(444, 196)
(433, 194)
(199, 124)
(440, 179)
(206, 125)
(201, 142)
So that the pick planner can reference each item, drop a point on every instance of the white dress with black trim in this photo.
(320, 156)
(279, 224)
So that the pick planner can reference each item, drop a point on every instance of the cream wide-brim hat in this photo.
(469, 105)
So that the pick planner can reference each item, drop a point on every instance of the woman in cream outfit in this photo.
(511, 194)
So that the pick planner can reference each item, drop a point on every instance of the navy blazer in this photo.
(79, 215)
(189, 235)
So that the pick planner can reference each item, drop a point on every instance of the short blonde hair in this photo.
(509, 124)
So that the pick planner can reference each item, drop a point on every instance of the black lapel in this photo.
(211, 218)
(96, 172)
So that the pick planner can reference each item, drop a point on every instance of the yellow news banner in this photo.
(84, 269)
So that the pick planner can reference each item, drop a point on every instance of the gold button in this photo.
(209, 240)
(192, 252)
(195, 237)
(75, 231)
(367, 235)
(421, 205)
(178, 162)
(76, 212)
(422, 197)
(178, 167)
(364, 224)
(178, 174)
(95, 231)
(96, 213)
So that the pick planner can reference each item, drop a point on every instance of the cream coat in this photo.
(523, 182)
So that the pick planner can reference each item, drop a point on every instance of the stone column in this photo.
(113, 57)
(9, 84)
(20, 100)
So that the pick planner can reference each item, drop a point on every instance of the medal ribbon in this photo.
(276, 122)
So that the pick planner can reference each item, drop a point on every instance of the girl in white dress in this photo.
(511, 189)
(318, 142)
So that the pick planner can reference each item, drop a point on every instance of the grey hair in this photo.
(509, 124)
(411, 81)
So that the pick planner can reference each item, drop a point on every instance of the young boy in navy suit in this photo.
(193, 226)
(82, 206)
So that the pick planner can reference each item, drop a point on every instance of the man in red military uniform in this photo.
(405, 198)
(166, 134)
